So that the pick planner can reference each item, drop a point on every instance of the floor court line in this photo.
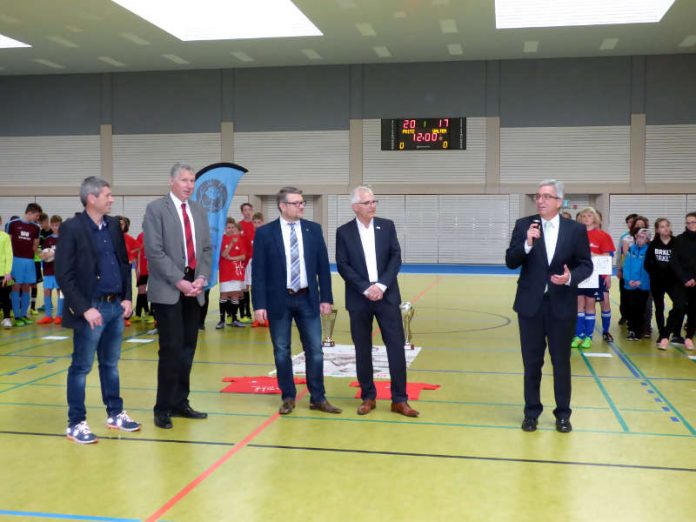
(62, 516)
(604, 391)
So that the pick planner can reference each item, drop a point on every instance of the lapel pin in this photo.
(378, 228)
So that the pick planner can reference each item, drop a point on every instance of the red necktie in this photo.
(190, 250)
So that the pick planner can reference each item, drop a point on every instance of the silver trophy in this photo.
(328, 321)
(407, 312)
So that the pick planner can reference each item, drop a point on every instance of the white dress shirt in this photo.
(367, 238)
(285, 229)
(177, 206)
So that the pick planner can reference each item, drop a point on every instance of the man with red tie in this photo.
(179, 253)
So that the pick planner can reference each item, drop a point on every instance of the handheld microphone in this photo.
(536, 222)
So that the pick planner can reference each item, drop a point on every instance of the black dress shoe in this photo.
(163, 420)
(189, 413)
(563, 425)
(529, 424)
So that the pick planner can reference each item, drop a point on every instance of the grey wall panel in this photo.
(424, 90)
(167, 102)
(565, 92)
(292, 98)
(53, 105)
(671, 89)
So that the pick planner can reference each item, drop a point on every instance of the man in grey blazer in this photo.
(179, 254)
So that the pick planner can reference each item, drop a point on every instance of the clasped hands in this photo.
(191, 289)
(374, 293)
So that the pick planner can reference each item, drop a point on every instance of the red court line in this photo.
(243, 443)
(200, 478)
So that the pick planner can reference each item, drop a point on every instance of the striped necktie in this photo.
(294, 259)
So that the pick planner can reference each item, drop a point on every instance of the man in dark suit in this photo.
(94, 275)
(368, 257)
(291, 279)
(179, 254)
(554, 254)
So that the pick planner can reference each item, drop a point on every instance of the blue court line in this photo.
(63, 516)
(638, 374)
(604, 391)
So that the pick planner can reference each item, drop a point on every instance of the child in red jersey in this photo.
(232, 263)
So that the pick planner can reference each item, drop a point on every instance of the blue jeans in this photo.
(105, 340)
(309, 325)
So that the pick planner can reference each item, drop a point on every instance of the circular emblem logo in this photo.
(212, 194)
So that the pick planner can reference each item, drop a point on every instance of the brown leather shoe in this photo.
(324, 406)
(367, 406)
(404, 409)
(287, 406)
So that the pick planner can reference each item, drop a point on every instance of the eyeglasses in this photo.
(368, 203)
(691, 222)
(545, 197)
(296, 203)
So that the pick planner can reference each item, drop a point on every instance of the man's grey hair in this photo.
(91, 185)
(282, 195)
(355, 193)
(178, 167)
(557, 186)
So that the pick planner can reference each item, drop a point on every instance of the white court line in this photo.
(55, 337)
(597, 354)
(140, 341)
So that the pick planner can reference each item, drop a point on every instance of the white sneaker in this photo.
(122, 422)
(81, 433)
(7, 323)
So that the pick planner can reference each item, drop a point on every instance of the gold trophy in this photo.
(407, 312)
(328, 321)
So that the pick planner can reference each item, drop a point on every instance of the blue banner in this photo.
(215, 187)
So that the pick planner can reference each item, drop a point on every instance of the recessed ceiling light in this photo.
(530, 46)
(510, 14)
(8, 43)
(689, 41)
(228, 20)
(382, 51)
(176, 59)
(365, 29)
(112, 61)
(311, 54)
(242, 56)
(49, 63)
(134, 38)
(608, 44)
(448, 26)
(62, 41)
(455, 49)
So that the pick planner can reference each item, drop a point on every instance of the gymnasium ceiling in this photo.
(96, 36)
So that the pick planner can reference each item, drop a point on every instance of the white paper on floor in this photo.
(339, 361)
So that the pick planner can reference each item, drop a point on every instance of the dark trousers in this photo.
(658, 289)
(535, 332)
(622, 299)
(390, 323)
(177, 325)
(635, 308)
(685, 304)
(5, 303)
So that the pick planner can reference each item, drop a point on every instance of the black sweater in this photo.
(657, 262)
(683, 260)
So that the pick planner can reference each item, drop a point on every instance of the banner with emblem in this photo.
(214, 189)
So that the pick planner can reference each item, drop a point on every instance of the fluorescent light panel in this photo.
(242, 56)
(608, 44)
(134, 38)
(223, 20)
(382, 51)
(49, 63)
(516, 14)
(455, 49)
(111, 61)
(689, 41)
(311, 54)
(176, 59)
(365, 29)
(530, 46)
(448, 26)
(7, 43)
(62, 41)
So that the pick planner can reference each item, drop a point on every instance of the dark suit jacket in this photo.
(269, 273)
(572, 249)
(77, 268)
(350, 261)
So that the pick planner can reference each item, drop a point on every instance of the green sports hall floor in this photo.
(631, 456)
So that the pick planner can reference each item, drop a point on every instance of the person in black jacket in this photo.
(93, 272)
(662, 280)
(683, 262)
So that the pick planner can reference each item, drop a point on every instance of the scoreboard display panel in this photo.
(424, 134)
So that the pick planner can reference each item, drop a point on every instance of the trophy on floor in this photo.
(328, 321)
(407, 312)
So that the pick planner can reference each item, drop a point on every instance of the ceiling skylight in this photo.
(6, 42)
(516, 14)
(223, 20)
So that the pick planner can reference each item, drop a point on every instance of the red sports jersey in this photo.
(248, 232)
(49, 268)
(262, 384)
(413, 389)
(23, 235)
(232, 270)
(142, 260)
(600, 242)
(132, 246)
